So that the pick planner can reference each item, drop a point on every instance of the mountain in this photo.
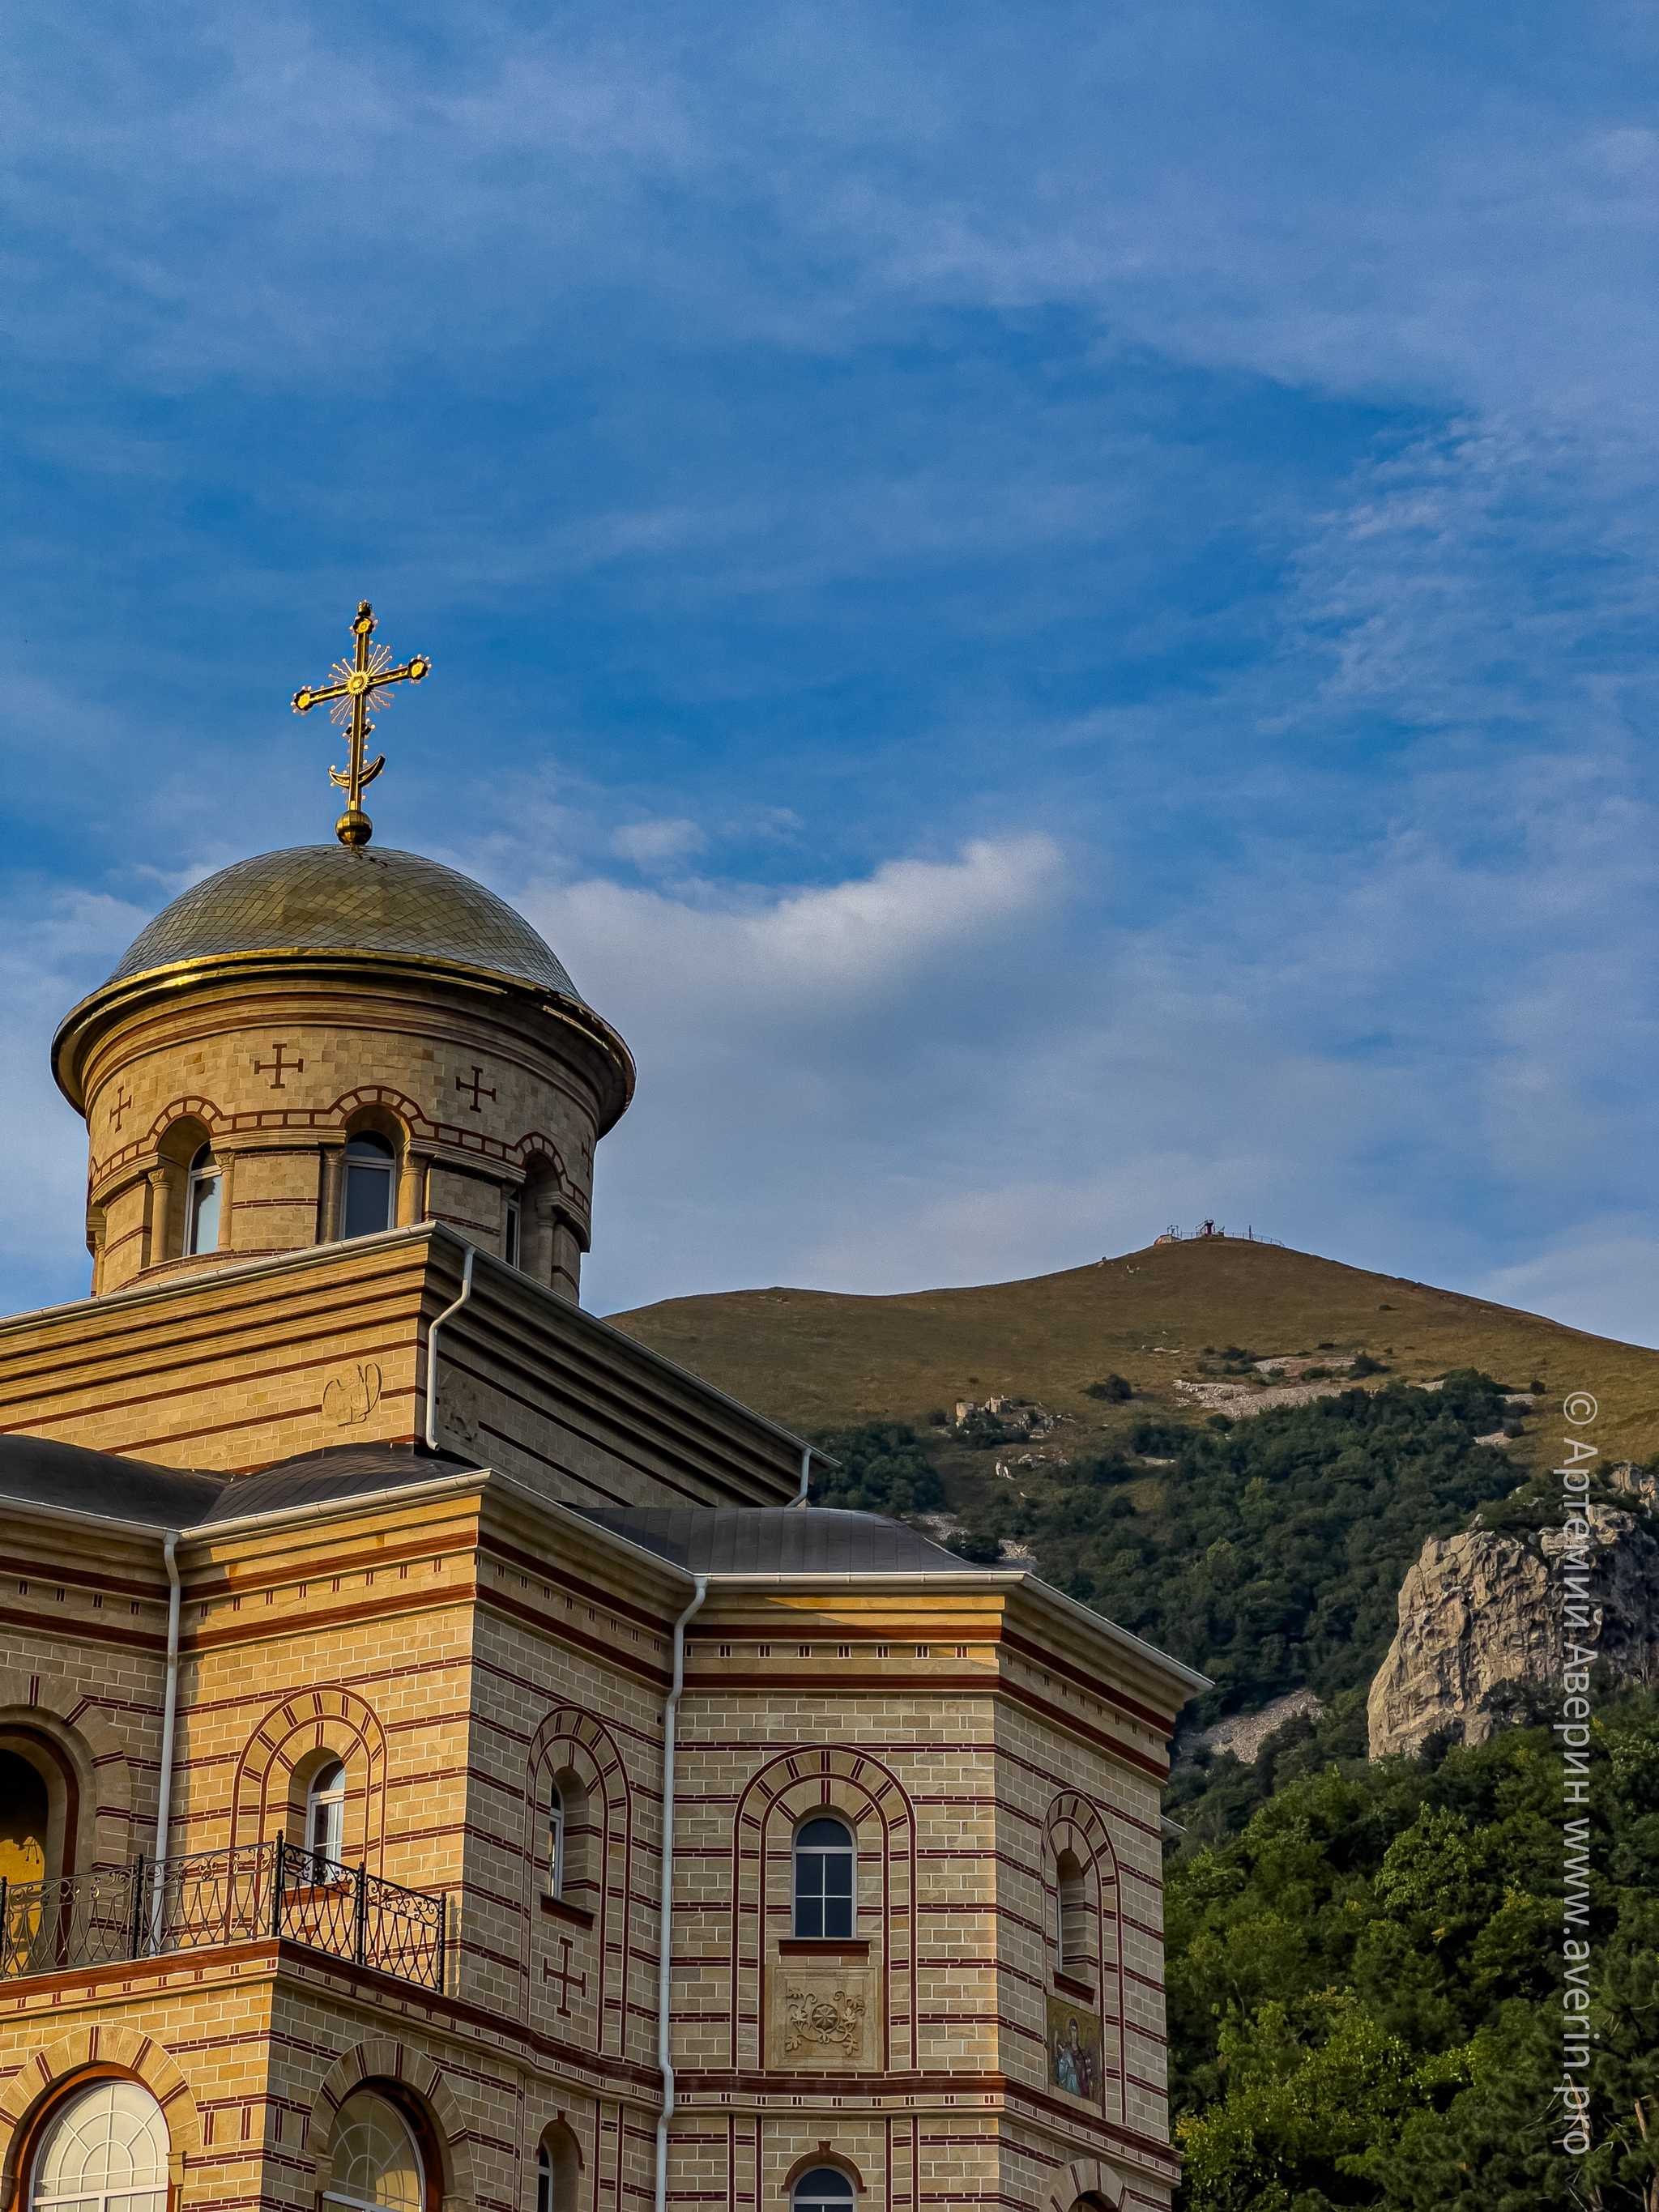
(817, 1360)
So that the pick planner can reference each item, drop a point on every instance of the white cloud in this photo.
(843, 947)
(648, 844)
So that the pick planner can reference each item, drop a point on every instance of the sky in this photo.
(1052, 608)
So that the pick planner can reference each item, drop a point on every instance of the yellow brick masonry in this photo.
(480, 1090)
(458, 1648)
(275, 1358)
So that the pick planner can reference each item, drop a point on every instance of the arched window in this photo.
(25, 1816)
(555, 1840)
(825, 2188)
(374, 2164)
(824, 1882)
(325, 1821)
(568, 1839)
(1076, 1949)
(558, 2165)
(201, 1203)
(370, 1166)
(511, 1239)
(104, 2150)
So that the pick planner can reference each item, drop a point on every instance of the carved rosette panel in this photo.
(818, 2021)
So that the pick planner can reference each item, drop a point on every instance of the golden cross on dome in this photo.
(360, 678)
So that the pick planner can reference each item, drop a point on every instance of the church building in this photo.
(445, 1761)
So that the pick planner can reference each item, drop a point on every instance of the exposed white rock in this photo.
(1482, 1609)
(1244, 1733)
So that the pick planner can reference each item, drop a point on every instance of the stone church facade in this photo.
(442, 1764)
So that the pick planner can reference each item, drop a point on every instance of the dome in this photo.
(332, 898)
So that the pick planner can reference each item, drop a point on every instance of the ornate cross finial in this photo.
(359, 679)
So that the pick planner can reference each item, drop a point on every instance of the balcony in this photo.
(147, 1911)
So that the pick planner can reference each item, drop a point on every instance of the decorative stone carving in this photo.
(352, 1397)
(820, 2019)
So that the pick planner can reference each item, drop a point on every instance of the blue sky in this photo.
(1054, 609)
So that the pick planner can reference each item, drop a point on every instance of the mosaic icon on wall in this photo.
(1073, 2050)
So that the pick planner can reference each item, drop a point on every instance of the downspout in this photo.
(169, 1717)
(448, 1313)
(666, 1929)
(799, 1497)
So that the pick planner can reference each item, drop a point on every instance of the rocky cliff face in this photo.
(1480, 1609)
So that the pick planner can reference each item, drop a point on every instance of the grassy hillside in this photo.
(817, 1360)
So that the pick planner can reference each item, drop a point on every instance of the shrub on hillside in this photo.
(883, 1470)
(1116, 1389)
(1360, 1983)
(1272, 1554)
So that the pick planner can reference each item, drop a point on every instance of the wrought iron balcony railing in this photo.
(143, 1910)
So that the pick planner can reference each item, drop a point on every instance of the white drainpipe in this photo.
(805, 1474)
(448, 1313)
(665, 1941)
(169, 1717)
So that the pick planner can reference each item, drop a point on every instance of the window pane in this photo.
(375, 2160)
(111, 2136)
(204, 1214)
(823, 1881)
(826, 2189)
(368, 1202)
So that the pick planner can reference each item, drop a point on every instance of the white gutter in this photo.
(169, 1717)
(432, 1349)
(280, 1516)
(665, 1933)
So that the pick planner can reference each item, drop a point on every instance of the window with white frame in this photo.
(370, 1166)
(104, 2150)
(202, 1192)
(823, 1879)
(825, 2188)
(325, 1821)
(375, 2162)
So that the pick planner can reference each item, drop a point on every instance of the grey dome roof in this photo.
(331, 898)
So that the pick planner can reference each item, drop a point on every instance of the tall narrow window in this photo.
(1076, 1951)
(823, 1880)
(555, 1840)
(825, 2188)
(374, 2165)
(368, 1177)
(202, 1204)
(104, 2151)
(325, 1821)
(510, 1238)
(558, 2165)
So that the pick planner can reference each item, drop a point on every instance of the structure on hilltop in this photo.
(443, 1763)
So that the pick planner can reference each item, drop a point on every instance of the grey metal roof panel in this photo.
(339, 1471)
(777, 1539)
(41, 1471)
(335, 898)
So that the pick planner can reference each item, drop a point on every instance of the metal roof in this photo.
(39, 1471)
(777, 1539)
(335, 898)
